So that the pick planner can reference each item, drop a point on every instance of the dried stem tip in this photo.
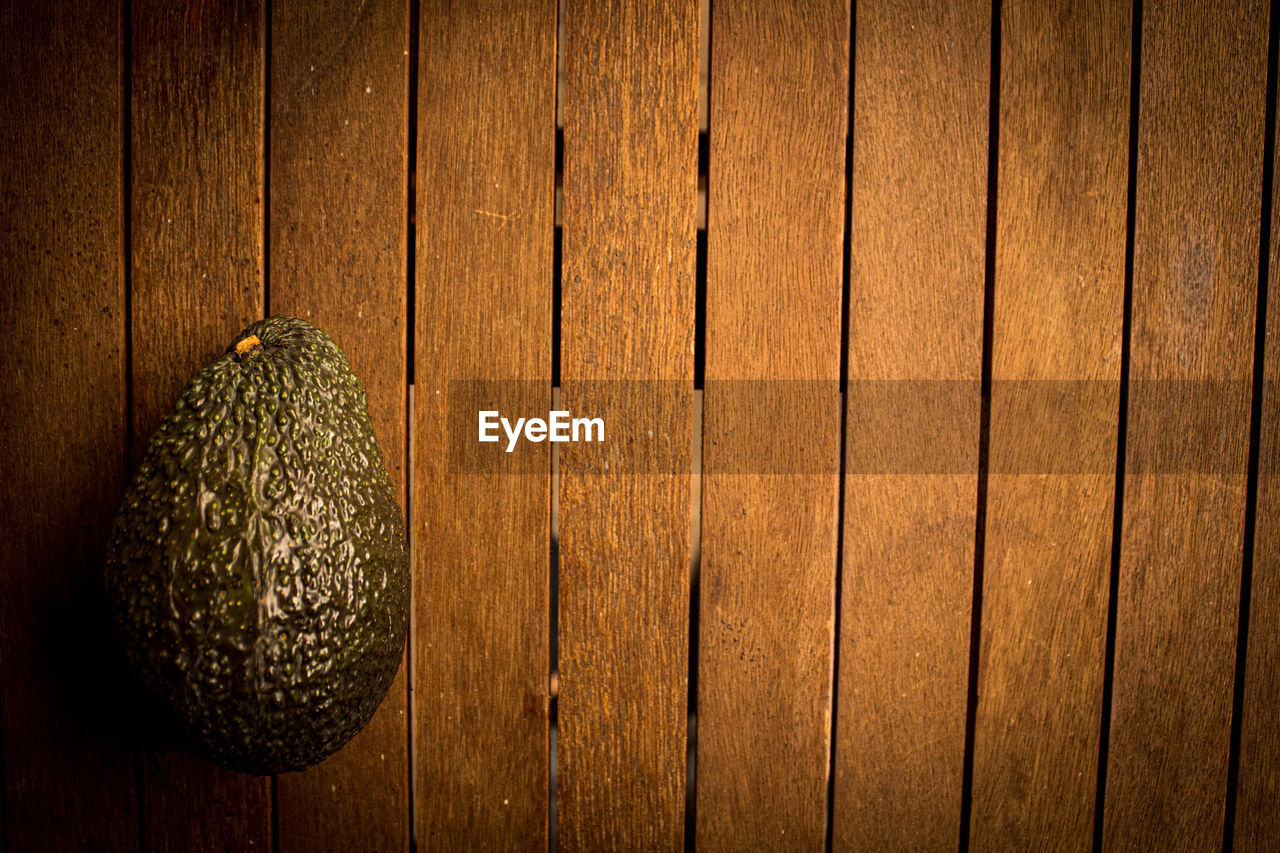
(247, 344)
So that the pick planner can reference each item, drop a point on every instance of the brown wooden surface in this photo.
(1056, 352)
(775, 243)
(486, 184)
(922, 75)
(68, 767)
(1194, 294)
(197, 226)
(466, 763)
(338, 228)
(1257, 817)
(630, 187)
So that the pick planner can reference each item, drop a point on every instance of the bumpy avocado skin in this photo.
(258, 573)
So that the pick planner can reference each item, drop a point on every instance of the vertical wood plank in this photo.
(1194, 294)
(630, 195)
(1257, 816)
(1056, 353)
(197, 280)
(338, 230)
(779, 101)
(68, 771)
(486, 192)
(918, 216)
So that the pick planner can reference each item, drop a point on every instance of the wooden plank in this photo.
(917, 239)
(1059, 302)
(68, 768)
(1257, 816)
(630, 185)
(338, 230)
(486, 117)
(775, 246)
(1194, 293)
(197, 280)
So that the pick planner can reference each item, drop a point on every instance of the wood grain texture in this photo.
(1194, 293)
(779, 96)
(1056, 353)
(68, 768)
(918, 217)
(197, 226)
(630, 185)
(1258, 804)
(338, 230)
(486, 179)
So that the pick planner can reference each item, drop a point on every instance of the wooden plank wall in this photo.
(779, 106)
(197, 255)
(337, 232)
(630, 199)
(1257, 825)
(1000, 620)
(917, 227)
(1058, 304)
(68, 773)
(1195, 268)
(486, 173)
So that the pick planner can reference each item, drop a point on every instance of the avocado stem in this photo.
(248, 344)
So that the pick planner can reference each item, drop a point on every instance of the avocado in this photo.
(257, 573)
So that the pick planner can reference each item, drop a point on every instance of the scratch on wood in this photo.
(504, 217)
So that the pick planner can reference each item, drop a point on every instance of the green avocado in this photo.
(257, 573)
